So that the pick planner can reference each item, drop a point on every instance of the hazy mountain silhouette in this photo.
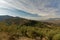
(22, 21)
(4, 17)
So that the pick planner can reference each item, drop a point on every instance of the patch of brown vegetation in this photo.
(6, 36)
(25, 38)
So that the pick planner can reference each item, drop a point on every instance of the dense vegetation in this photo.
(16, 28)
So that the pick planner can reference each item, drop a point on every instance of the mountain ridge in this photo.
(4, 17)
(23, 21)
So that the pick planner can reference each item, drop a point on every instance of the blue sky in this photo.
(31, 9)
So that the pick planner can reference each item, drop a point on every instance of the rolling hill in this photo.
(16, 28)
(54, 21)
(22, 21)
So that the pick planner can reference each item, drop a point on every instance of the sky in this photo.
(31, 9)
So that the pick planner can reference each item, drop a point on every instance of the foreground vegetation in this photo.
(28, 30)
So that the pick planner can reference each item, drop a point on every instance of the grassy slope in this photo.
(21, 29)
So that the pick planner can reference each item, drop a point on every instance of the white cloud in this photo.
(38, 7)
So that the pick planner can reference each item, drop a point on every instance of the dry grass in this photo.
(6, 36)
(25, 38)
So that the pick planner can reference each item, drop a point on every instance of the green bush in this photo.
(56, 37)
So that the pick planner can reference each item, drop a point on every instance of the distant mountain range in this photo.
(22, 20)
(53, 20)
(4, 17)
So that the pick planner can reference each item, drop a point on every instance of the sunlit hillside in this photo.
(16, 28)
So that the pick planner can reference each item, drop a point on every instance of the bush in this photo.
(56, 37)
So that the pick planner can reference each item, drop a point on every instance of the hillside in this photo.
(54, 21)
(26, 22)
(16, 28)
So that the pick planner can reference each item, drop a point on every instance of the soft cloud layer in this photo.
(35, 9)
